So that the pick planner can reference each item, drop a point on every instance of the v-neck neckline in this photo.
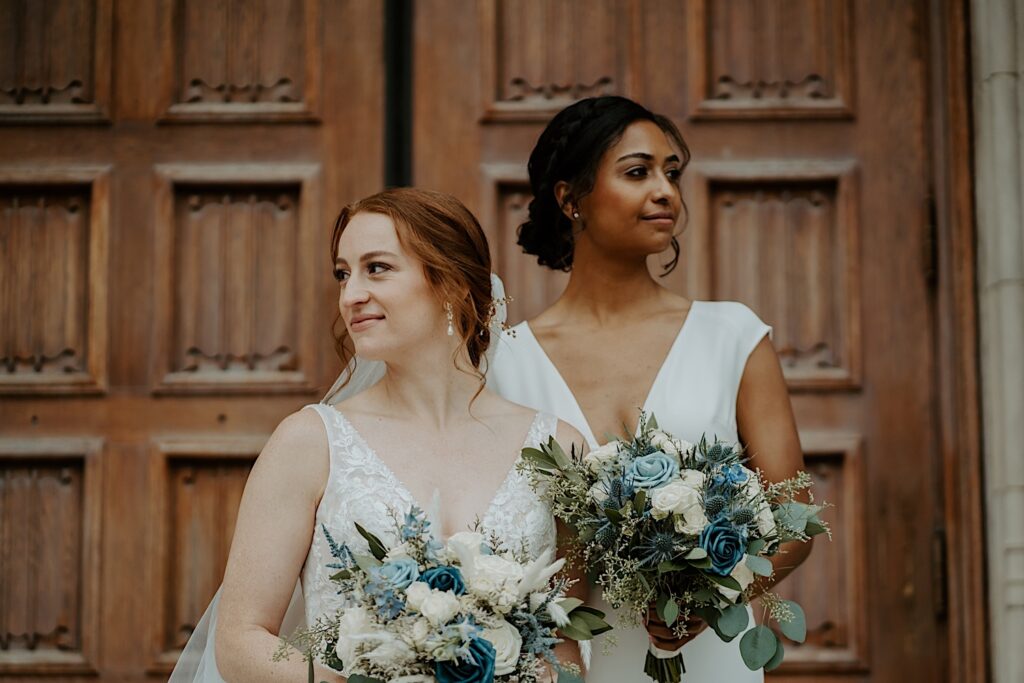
(584, 422)
(398, 483)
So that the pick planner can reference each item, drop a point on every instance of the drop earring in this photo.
(451, 318)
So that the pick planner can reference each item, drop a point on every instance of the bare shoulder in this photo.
(763, 370)
(297, 454)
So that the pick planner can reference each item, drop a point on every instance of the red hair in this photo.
(448, 240)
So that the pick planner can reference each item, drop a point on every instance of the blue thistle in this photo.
(659, 547)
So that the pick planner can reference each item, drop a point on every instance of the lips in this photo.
(361, 322)
(660, 216)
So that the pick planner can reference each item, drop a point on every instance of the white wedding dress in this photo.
(694, 393)
(362, 489)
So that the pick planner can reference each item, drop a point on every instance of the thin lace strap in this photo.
(334, 426)
(545, 425)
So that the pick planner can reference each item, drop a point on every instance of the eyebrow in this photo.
(646, 157)
(368, 256)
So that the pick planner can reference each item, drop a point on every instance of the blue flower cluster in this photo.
(388, 578)
(724, 541)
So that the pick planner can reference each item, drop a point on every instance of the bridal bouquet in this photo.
(683, 526)
(462, 612)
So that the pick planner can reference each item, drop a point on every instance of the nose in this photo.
(664, 190)
(353, 294)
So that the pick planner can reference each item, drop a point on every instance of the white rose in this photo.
(681, 497)
(741, 572)
(491, 573)
(465, 545)
(420, 632)
(354, 627)
(507, 643)
(390, 650)
(398, 552)
(766, 526)
(414, 678)
(602, 457)
(664, 443)
(599, 492)
(440, 607)
(415, 594)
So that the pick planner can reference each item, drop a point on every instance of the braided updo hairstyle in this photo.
(570, 150)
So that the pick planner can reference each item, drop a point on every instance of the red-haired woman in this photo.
(414, 297)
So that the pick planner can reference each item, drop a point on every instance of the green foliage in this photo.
(757, 647)
(376, 547)
(796, 628)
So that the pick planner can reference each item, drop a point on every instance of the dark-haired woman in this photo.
(605, 176)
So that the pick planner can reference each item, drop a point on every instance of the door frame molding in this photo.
(958, 404)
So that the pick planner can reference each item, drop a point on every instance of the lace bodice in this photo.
(361, 488)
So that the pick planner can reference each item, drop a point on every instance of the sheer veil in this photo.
(198, 661)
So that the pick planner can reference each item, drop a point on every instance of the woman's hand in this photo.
(664, 637)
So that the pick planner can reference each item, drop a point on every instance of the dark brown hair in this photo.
(447, 239)
(570, 150)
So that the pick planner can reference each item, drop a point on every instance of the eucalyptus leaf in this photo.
(366, 562)
(666, 567)
(759, 565)
(640, 501)
(576, 630)
(652, 422)
(773, 663)
(376, 547)
(559, 456)
(697, 554)
(671, 612)
(796, 628)
(342, 575)
(756, 546)
(815, 527)
(757, 647)
(613, 515)
(596, 624)
(661, 605)
(795, 515)
(356, 678)
(734, 620)
(569, 604)
(726, 581)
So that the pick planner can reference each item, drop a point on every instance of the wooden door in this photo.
(809, 200)
(168, 174)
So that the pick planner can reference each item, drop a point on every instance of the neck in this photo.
(428, 387)
(603, 287)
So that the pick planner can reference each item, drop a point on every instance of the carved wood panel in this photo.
(53, 228)
(784, 58)
(832, 588)
(782, 238)
(235, 262)
(198, 484)
(49, 544)
(245, 59)
(539, 56)
(56, 63)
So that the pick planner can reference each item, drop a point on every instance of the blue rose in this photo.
(398, 573)
(724, 545)
(651, 471)
(478, 667)
(444, 579)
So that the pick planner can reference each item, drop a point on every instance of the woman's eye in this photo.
(340, 275)
(377, 268)
(674, 174)
(637, 172)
